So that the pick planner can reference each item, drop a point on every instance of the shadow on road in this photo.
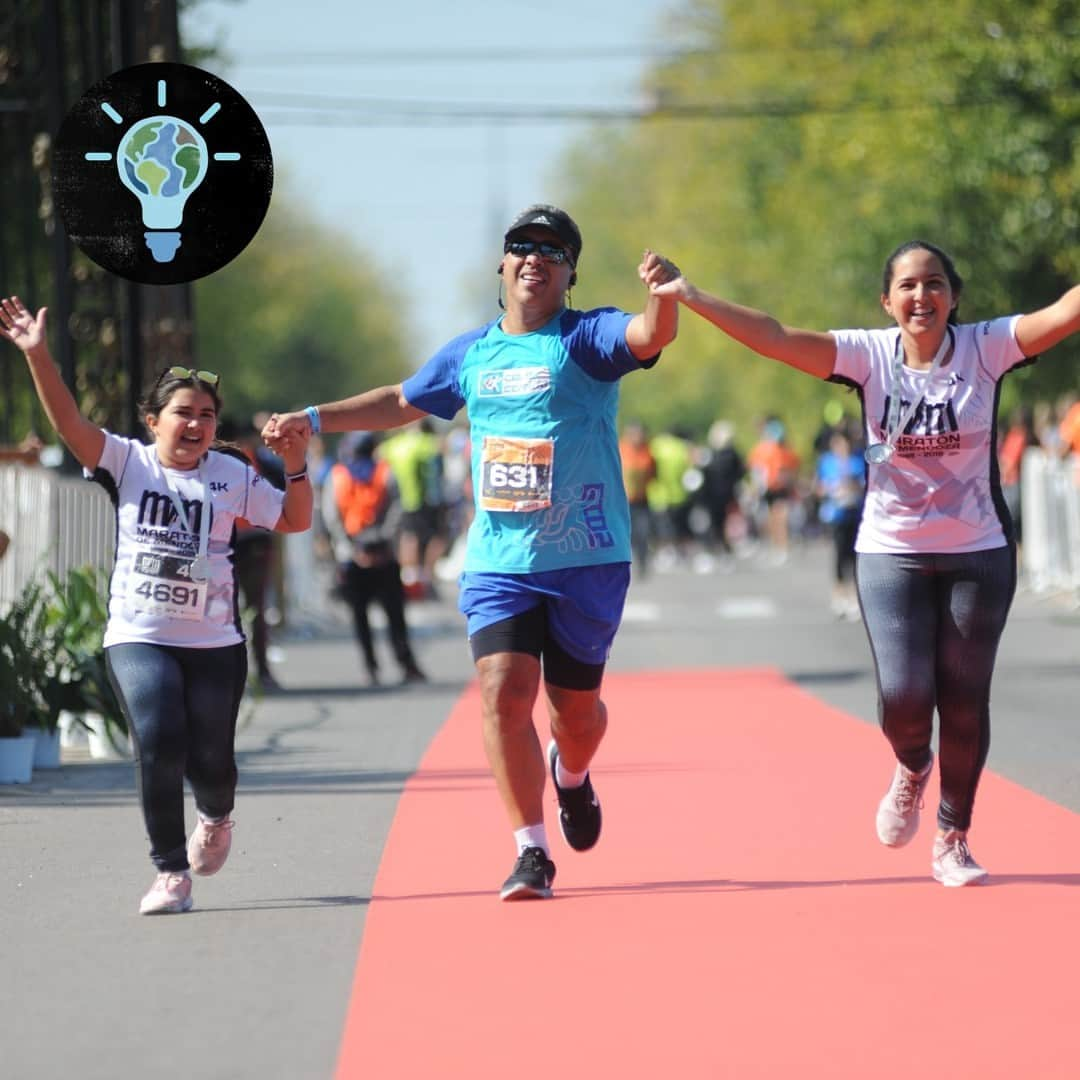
(710, 885)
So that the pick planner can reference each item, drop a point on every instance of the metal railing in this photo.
(58, 523)
(55, 523)
(1050, 509)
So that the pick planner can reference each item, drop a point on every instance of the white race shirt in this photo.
(939, 493)
(152, 597)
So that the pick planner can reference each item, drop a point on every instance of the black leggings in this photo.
(844, 530)
(181, 707)
(382, 583)
(934, 623)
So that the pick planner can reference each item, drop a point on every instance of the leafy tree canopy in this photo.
(299, 316)
(794, 145)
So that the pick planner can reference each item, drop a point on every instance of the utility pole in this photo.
(59, 253)
(157, 327)
(107, 332)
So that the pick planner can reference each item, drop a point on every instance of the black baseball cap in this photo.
(549, 217)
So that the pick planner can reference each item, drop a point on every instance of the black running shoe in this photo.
(532, 877)
(579, 809)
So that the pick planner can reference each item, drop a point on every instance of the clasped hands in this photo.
(287, 435)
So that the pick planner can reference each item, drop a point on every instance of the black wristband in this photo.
(292, 478)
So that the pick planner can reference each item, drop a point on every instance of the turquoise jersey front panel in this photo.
(560, 383)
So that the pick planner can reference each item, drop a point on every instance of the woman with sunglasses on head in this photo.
(935, 562)
(174, 646)
(547, 561)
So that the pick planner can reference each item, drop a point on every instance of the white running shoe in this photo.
(169, 895)
(953, 864)
(898, 812)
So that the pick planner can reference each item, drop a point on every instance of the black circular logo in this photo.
(162, 173)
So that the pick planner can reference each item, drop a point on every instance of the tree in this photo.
(297, 317)
(792, 146)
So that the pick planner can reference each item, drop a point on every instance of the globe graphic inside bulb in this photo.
(162, 160)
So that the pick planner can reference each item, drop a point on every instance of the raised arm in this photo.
(1043, 329)
(656, 326)
(808, 350)
(296, 507)
(84, 439)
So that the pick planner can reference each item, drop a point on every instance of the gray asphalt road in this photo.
(254, 983)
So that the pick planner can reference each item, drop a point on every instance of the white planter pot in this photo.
(102, 745)
(47, 749)
(72, 733)
(16, 759)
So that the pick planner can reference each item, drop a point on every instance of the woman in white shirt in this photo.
(174, 645)
(936, 555)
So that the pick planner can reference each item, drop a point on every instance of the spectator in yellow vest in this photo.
(415, 455)
(668, 496)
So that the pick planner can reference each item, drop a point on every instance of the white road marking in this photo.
(639, 612)
(747, 607)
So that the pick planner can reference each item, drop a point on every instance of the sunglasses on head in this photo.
(211, 378)
(548, 252)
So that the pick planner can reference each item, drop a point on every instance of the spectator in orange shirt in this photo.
(1069, 430)
(776, 468)
(638, 468)
(1019, 436)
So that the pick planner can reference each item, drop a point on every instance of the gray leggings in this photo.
(181, 707)
(934, 623)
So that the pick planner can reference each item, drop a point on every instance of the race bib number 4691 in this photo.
(162, 585)
(516, 473)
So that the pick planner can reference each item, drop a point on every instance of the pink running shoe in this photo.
(169, 895)
(898, 811)
(209, 845)
(953, 864)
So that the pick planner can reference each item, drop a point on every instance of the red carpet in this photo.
(737, 919)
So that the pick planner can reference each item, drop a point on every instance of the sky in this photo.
(427, 198)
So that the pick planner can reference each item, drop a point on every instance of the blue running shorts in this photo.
(584, 604)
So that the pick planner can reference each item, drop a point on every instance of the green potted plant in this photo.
(20, 704)
(13, 704)
(74, 624)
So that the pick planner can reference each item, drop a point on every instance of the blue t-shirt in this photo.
(842, 481)
(557, 391)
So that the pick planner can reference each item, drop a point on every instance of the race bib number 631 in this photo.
(516, 473)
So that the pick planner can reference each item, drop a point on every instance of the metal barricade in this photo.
(55, 523)
(1050, 493)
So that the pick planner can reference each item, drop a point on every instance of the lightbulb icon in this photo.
(161, 161)
(162, 173)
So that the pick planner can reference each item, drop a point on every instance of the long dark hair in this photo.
(956, 282)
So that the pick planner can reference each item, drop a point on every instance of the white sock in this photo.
(531, 836)
(567, 779)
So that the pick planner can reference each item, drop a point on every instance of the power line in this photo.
(295, 110)
(508, 55)
(991, 33)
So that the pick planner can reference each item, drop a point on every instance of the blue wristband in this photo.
(313, 419)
